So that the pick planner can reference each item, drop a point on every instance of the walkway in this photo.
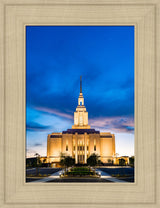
(109, 177)
(55, 176)
(49, 178)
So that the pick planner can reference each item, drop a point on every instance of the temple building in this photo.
(81, 140)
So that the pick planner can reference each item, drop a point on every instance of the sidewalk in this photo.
(104, 175)
(49, 178)
(109, 177)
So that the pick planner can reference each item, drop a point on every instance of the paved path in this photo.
(42, 170)
(109, 177)
(55, 176)
(49, 178)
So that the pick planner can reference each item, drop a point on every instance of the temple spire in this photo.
(80, 84)
(81, 115)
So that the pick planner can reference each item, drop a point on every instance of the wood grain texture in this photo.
(144, 15)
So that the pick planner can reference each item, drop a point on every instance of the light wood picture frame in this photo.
(15, 15)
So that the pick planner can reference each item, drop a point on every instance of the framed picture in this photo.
(18, 17)
(94, 141)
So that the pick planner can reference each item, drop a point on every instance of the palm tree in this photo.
(37, 162)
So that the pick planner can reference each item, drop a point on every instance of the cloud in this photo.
(30, 153)
(53, 112)
(116, 124)
(53, 70)
(55, 59)
(32, 126)
(37, 144)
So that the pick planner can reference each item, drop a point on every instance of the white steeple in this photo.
(81, 115)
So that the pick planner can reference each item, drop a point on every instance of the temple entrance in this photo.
(81, 159)
(81, 152)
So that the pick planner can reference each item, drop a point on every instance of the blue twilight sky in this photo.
(56, 56)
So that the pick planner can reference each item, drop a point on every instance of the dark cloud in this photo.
(32, 126)
(37, 144)
(57, 56)
(118, 103)
(130, 128)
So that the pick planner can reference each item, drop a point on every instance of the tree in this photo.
(66, 161)
(131, 161)
(93, 160)
(62, 159)
(109, 161)
(69, 161)
(99, 163)
(121, 161)
(38, 162)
